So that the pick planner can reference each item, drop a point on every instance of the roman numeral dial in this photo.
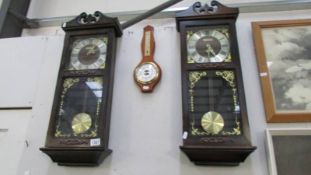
(208, 45)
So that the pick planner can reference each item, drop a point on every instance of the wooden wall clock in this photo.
(79, 124)
(215, 122)
(147, 73)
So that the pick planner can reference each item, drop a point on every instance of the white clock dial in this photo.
(147, 72)
(206, 46)
(88, 53)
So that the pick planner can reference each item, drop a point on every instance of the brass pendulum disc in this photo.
(212, 122)
(81, 123)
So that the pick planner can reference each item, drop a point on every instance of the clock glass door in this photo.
(214, 104)
(79, 107)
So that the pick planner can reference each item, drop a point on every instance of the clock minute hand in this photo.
(90, 50)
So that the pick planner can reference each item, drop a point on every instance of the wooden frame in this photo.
(280, 56)
(270, 148)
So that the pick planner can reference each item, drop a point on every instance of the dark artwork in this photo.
(292, 154)
(288, 53)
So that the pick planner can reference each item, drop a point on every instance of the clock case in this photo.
(212, 150)
(77, 151)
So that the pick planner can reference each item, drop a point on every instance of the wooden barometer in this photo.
(147, 73)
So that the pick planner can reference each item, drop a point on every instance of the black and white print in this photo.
(288, 55)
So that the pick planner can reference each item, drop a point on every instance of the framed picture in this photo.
(283, 51)
(288, 151)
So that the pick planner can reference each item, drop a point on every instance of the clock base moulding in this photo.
(77, 156)
(217, 156)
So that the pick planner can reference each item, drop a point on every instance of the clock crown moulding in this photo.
(213, 11)
(93, 21)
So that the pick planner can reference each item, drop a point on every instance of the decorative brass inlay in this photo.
(224, 31)
(194, 77)
(228, 59)
(81, 123)
(212, 122)
(229, 77)
(73, 142)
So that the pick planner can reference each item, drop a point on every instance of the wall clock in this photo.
(215, 122)
(79, 124)
(147, 73)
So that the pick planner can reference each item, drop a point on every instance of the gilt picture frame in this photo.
(283, 52)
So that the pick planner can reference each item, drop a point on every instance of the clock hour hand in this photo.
(210, 50)
(90, 50)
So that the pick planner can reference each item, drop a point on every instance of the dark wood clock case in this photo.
(76, 151)
(224, 150)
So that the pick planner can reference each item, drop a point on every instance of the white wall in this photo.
(21, 60)
(146, 128)
(13, 127)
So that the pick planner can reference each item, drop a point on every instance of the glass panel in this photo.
(79, 107)
(292, 154)
(287, 51)
(88, 53)
(213, 103)
(208, 45)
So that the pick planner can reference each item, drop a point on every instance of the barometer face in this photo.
(208, 45)
(88, 53)
(147, 72)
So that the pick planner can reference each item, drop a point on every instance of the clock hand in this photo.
(210, 50)
(90, 50)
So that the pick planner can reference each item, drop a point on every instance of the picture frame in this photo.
(288, 151)
(283, 52)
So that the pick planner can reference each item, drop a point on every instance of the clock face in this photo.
(208, 45)
(214, 104)
(88, 53)
(79, 107)
(147, 72)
